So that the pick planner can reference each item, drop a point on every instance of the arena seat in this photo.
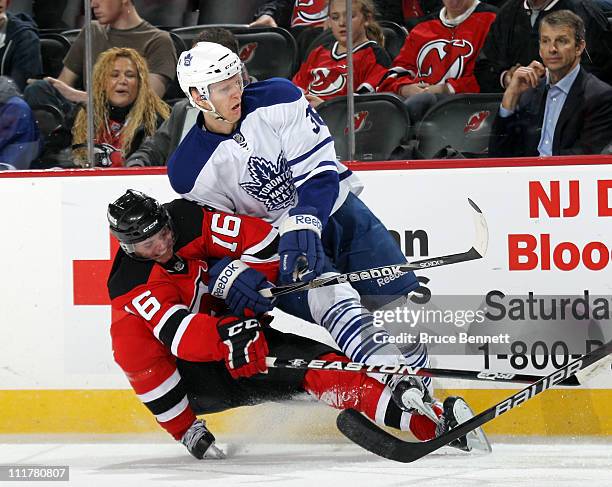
(381, 125)
(395, 36)
(266, 51)
(71, 34)
(53, 50)
(460, 121)
(48, 118)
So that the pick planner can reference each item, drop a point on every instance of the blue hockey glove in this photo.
(300, 249)
(238, 285)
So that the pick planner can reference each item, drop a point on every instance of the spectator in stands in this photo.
(156, 149)
(48, 15)
(19, 137)
(19, 46)
(557, 108)
(324, 74)
(438, 56)
(513, 40)
(291, 13)
(126, 109)
(305, 20)
(118, 25)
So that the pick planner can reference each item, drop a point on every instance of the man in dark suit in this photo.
(556, 108)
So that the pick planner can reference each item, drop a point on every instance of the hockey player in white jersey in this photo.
(263, 151)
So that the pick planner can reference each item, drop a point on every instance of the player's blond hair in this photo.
(144, 112)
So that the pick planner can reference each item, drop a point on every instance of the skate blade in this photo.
(477, 441)
(214, 453)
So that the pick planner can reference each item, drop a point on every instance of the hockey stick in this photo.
(366, 434)
(477, 251)
(298, 363)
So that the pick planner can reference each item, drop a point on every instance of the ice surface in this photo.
(314, 465)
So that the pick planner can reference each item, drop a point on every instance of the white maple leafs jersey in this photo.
(280, 155)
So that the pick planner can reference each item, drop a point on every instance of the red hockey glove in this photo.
(244, 345)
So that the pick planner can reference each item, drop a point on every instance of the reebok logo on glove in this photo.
(308, 220)
(227, 277)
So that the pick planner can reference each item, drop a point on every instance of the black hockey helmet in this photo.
(135, 217)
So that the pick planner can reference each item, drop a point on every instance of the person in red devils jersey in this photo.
(324, 74)
(183, 351)
(291, 13)
(439, 54)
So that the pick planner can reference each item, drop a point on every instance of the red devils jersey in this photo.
(436, 53)
(325, 72)
(173, 299)
(309, 12)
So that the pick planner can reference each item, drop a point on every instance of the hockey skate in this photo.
(201, 442)
(455, 412)
(411, 395)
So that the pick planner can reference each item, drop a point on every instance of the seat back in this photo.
(53, 49)
(71, 34)
(460, 121)
(266, 51)
(395, 36)
(381, 125)
(48, 117)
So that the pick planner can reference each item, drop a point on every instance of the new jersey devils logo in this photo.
(443, 59)
(309, 11)
(326, 82)
(360, 122)
(475, 121)
(247, 52)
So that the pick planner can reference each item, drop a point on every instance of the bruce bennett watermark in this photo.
(427, 338)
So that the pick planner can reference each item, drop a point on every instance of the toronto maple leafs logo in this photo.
(271, 183)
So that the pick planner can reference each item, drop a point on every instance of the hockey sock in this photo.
(161, 390)
(346, 390)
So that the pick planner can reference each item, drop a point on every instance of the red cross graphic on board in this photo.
(89, 279)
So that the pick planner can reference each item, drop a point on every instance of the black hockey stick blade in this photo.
(478, 250)
(368, 435)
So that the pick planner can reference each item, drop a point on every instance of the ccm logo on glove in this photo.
(243, 325)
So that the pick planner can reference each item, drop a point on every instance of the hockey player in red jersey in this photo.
(185, 353)
(324, 74)
(439, 55)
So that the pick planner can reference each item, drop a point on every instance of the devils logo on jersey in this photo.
(327, 81)
(309, 12)
(443, 59)
(272, 182)
(247, 52)
(475, 121)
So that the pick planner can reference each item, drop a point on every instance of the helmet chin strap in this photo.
(214, 112)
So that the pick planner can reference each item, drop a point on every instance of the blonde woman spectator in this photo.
(126, 109)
